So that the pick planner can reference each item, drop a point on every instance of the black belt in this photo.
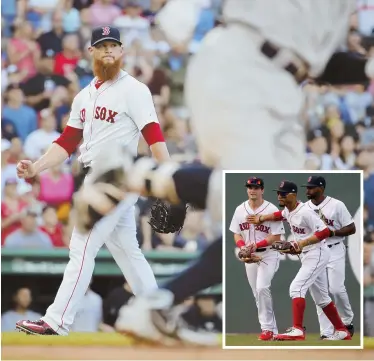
(334, 244)
(271, 51)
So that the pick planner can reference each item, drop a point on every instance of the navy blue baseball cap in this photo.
(286, 187)
(255, 181)
(105, 33)
(315, 181)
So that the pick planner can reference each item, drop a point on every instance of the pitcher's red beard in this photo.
(106, 72)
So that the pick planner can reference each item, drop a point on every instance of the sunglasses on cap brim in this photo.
(283, 194)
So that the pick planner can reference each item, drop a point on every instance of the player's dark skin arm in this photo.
(346, 231)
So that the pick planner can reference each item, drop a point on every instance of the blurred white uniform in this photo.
(241, 98)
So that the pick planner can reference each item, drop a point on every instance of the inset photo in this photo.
(289, 279)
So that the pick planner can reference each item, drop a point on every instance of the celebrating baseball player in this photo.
(113, 109)
(252, 67)
(308, 230)
(336, 216)
(260, 262)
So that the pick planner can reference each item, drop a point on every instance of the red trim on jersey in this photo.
(69, 139)
(152, 133)
(262, 244)
(321, 235)
(99, 83)
(240, 243)
(278, 216)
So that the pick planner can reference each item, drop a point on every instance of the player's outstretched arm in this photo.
(271, 217)
(55, 155)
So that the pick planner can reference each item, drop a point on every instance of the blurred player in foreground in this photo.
(155, 315)
(242, 85)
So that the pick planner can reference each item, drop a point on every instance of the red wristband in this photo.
(240, 243)
(262, 244)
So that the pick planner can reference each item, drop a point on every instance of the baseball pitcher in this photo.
(113, 109)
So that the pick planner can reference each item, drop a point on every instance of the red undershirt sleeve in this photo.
(278, 216)
(69, 139)
(321, 235)
(152, 133)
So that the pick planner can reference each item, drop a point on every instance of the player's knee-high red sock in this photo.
(332, 314)
(298, 308)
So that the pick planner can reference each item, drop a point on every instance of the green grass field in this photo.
(311, 340)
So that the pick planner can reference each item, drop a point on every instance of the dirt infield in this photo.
(146, 353)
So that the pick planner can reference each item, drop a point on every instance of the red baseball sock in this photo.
(298, 308)
(332, 314)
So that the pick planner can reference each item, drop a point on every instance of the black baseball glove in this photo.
(166, 218)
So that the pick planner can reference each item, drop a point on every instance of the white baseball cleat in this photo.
(153, 319)
(135, 318)
(339, 335)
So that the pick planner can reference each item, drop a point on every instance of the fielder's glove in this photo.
(290, 247)
(246, 255)
(166, 218)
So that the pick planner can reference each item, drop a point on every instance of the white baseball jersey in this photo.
(253, 233)
(334, 214)
(288, 23)
(116, 112)
(303, 222)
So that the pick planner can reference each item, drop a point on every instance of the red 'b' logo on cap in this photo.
(309, 179)
(106, 30)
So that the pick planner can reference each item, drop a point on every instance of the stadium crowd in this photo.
(45, 63)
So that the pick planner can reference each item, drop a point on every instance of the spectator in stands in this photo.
(82, 4)
(365, 161)
(347, 156)
(39, 140)
(317, 145)
(29, 194)
(175, 65)
(8, 15)
(56, 186)
(40, 12)
(84, 68)
(52, 227)
(90, 313)
(8, 130)
(40, 88)
(11, 75)
(132, 25)
(12, 208)
(21, 300)
(16, 151)
(369, 289)
(28, 236)
(159, 87)
(71, 17)
(52, 40)
(8, 170)
(67, 60)
(23, 51)
(103, 12)
(150, 12)
(22, 116)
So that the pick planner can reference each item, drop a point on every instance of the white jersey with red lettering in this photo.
(260, 275)
(334, 214)
(116, 112)
(111, 116)
(252, 233)
(257, 85)
(303, 222)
